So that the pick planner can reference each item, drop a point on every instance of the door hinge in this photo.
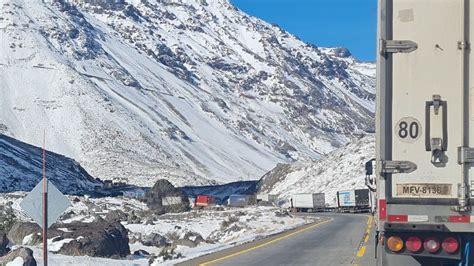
(465, 155)
(463, 45)
(396, 167)
(398, 46)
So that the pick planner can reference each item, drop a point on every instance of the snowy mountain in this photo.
(342, 169)
(21, 169)
(194, 91)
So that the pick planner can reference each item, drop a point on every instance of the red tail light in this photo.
(414, 244)
(382, 210)
(431, 244)
(450, 245)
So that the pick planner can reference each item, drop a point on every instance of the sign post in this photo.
(45, 207)
(45, 204)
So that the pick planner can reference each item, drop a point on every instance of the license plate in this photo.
(424, 190)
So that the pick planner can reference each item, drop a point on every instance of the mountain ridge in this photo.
(21, 167)
(193, 91)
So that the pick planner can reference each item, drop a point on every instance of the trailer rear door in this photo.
(346, 198)
(428, 89)
(361, 197)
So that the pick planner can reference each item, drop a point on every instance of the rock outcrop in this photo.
(22, 254)
(100, 238)
(3, 244)
(97, 239)
(164, 198)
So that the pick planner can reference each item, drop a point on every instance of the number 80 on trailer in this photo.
(408, 129)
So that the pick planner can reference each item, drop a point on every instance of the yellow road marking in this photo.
(362, 247)
(366, 239)
(361, 252)
(265, 244)
(369, 228)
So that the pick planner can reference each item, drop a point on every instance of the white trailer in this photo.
(241, 200)
(356, 200)
(271, 198)
(308, 202)
(346, 198)
(425, 135)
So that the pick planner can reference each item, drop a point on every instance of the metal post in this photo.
(45, 206)
(463, 46)
(45, 226)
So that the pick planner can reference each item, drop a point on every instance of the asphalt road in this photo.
(339, 239)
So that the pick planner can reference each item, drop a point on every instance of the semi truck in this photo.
(357, 200)
(238, 200)
(308, 202)
(267, 198)
(424, 132)
(203, 201)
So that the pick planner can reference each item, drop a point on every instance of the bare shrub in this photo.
(172, 235)
(170, 254)
(229, 221)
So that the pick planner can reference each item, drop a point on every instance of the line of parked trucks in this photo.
(357, 200)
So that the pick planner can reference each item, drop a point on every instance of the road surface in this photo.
(338, 239)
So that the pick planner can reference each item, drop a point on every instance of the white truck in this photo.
(356, 200)
(267, 198)
(308, 202)
(425, 135)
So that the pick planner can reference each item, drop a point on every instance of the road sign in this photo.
(57, 203)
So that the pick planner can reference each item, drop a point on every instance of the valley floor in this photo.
(164, 239)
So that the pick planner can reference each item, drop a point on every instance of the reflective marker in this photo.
(431, 245)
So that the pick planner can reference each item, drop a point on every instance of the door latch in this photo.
(437, 145)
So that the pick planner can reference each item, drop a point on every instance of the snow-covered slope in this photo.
(342, 169)
(194, 91)
(21, 169)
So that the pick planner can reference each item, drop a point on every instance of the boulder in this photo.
(25, 254)
(190, 239)
(141, 252)
(133, 218)
(7, 216)
(164, 198)
(155, 240)
(20, 230)
(282, 213)
(3, 244)
(116, 215)
(96, 239)
(193, 236)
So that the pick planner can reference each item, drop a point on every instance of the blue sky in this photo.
(328, 23)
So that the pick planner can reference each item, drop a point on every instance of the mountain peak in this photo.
(192, 91)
